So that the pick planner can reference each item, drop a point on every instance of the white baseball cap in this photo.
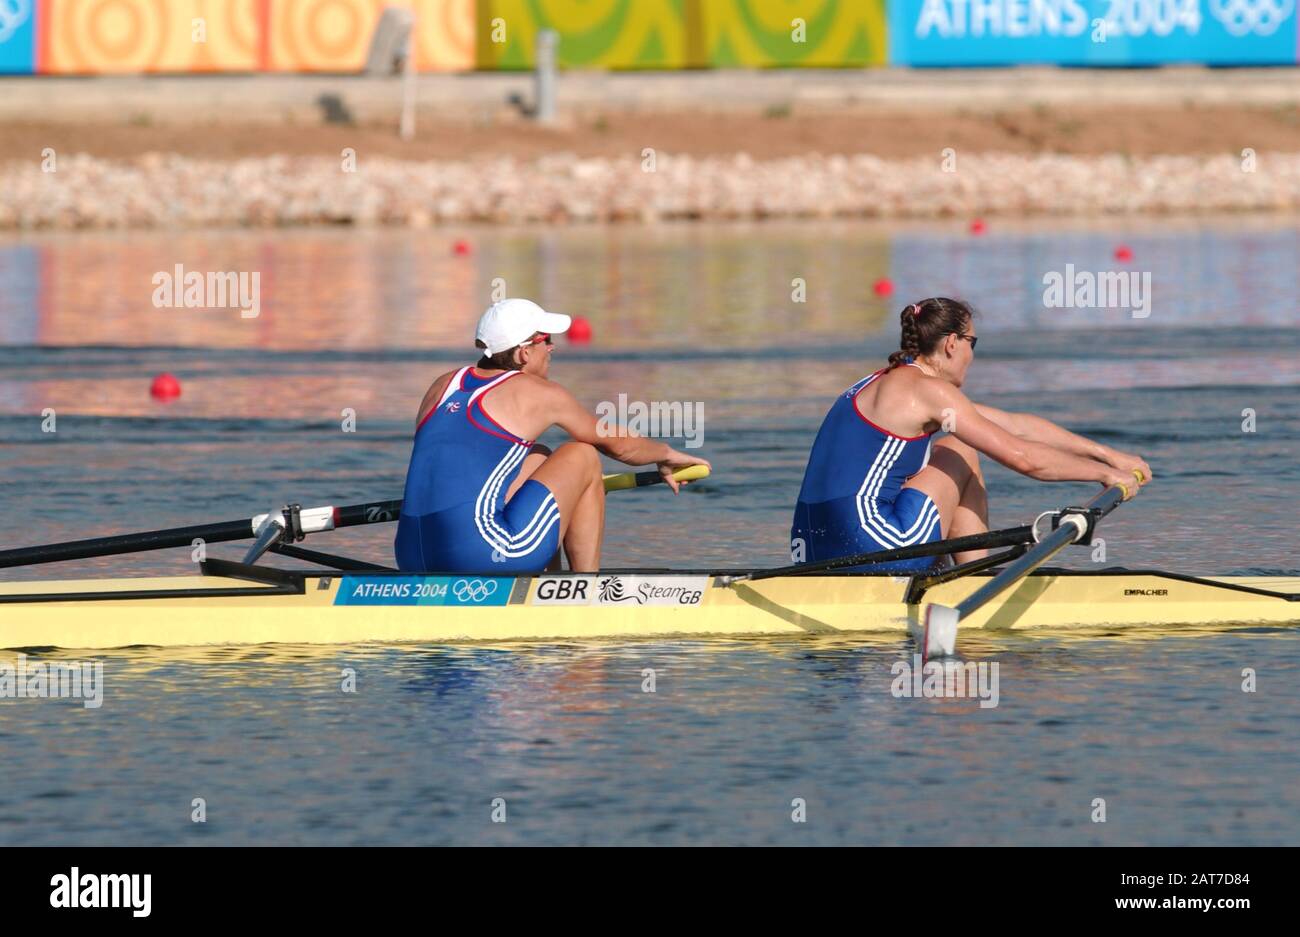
(512, 322)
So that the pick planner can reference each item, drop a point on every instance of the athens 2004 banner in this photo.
(142, 36)
(1092, 32)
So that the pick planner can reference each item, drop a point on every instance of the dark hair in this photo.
(926, 323)
(502, 360)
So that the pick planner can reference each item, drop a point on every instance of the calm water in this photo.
(736, 730)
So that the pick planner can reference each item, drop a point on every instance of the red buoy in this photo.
(165, 386)
(978, 226)
(883, 287)
(1123, 252)
(461, 248)
(579, 331)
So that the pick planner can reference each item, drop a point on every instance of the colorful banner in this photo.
(143, 36)
(132, 36)
(444, 35)
(310, 36)
(1092, 32)
(593, 33)
(794, 33)
(17, 37)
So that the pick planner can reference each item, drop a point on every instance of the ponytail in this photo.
(925, 324)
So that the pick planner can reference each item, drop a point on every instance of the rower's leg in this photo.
(572, 473)
(532, 462)
(955, 483)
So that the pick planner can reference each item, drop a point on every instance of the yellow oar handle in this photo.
(624, 480)
(1129, 492)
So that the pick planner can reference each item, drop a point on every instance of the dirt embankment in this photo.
(778, 133)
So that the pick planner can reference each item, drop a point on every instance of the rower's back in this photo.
(463, 462)
(852, 498)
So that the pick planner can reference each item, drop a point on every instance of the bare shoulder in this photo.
(913, 382)
(439, 384)
(441, 380)
(928, 386)
(538, 387)
(925, 398)
(434, 393)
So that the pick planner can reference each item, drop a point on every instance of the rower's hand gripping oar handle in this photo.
(625, 480)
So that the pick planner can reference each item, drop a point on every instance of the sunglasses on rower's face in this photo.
(970, 338)
(539, 338)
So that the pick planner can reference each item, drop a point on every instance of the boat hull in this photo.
(350, 609)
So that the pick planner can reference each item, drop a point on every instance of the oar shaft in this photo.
(988, 540)
(1067, 533)
(221, 532)
(315, 520)
(941, 623)
(1047, 548)
(126, 543)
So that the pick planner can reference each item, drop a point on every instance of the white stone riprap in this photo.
(167, 191)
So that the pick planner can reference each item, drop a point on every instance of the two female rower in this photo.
(876, 480)
(481, 496)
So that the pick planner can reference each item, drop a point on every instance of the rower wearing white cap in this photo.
(480, 495)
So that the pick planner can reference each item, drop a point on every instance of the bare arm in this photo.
(1020, 454)
(1036, 429)
(617, 442)
(432, 395)
(1033, 428)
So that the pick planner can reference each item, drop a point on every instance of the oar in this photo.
(1009, 537)
(940, 622)
(624, 480)
(310, 521)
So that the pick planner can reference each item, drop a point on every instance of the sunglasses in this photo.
(538, 339)
(970, 338)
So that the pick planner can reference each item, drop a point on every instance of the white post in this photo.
(392, 51)
(544, 99)
(407, 129)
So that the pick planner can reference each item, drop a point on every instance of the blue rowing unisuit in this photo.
(853, 499)
(454, 514)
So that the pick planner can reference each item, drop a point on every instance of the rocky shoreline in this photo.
(173, 191)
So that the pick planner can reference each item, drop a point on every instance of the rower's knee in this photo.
(959, 464)
(967, 454)
(583, 455)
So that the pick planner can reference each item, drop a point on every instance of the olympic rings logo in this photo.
(1261, 17)
(13, 13)
(473, 590)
